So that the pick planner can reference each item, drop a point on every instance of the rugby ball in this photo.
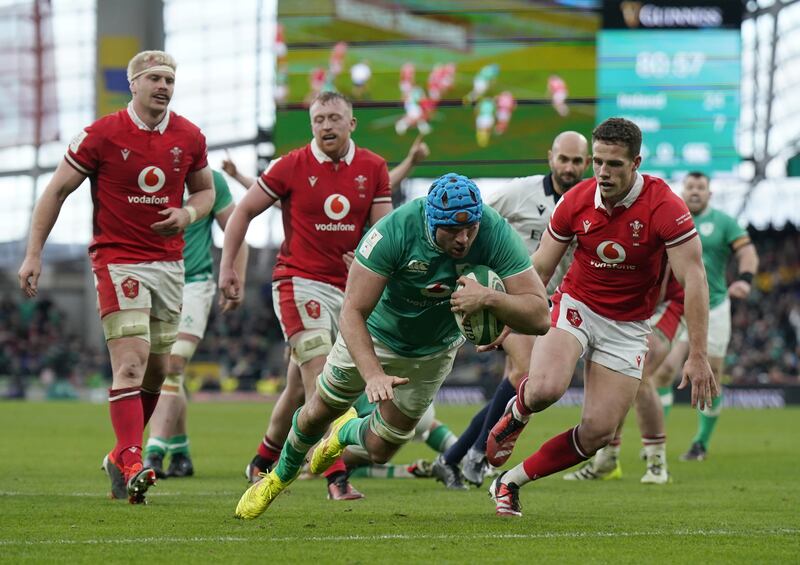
(481, 327)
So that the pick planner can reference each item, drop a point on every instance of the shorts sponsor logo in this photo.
(574, 317)
(313, 309)
(151, 179)
(638, 360)
(437, 290)
(130, 287)
(370, 241)
(336, 206)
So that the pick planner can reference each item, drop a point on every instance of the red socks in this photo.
(556, 454)
(269, 450)
(149, 402)
(520, 402)
(337, 467)
(127, 419)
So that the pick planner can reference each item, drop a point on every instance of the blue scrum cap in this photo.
(453, 200)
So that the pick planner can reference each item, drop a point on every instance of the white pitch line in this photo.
(412, 537)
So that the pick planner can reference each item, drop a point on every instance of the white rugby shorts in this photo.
(198, 297)
(617, 345)
(303, 304)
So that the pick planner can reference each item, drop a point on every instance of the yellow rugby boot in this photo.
(260, 495)
(330, 449)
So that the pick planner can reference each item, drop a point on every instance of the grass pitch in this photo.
(740, 506)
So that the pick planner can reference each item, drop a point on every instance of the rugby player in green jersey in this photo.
(721, 237)
(398, 335)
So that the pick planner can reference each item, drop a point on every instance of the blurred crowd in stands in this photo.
(247, 345)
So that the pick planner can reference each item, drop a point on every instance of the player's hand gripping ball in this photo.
(481, 327)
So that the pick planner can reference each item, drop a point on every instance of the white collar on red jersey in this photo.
(321, 157)
(161, 126)
(629, 199)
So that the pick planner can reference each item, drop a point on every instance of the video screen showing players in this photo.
(488, 83)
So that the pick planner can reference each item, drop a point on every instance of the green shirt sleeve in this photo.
(222, 196)
(508, 253)
(733, 230)
(378, 249)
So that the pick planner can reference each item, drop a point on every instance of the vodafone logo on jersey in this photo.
(612, 256)
(611, 252)
(336, 206)
(151, 179)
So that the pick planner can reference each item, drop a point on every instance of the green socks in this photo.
(665, 394)
(156, 446)
(294, 451)
(179, 445)
(354, 431)
(707, 420)
(441, 438)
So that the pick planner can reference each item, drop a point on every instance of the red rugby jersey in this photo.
(620, 258)
(325, 206)
(136, 172)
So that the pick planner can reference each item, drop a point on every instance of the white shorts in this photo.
(303, 304)
(719, 329)
(198, 297)
(484, 121)
(340, 383)
(156, 286)
(619, 346)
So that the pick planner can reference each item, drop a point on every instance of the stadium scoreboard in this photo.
(674, 69)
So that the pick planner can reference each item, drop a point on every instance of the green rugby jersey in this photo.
(413, 316)
(717, 232)
(197, 237)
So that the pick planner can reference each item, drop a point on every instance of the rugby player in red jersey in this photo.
(666, 322)
(138, 161)
(627, 225)
(329, 190)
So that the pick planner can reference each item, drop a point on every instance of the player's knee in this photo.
(130, 370)
(309, 344)
(163, 336)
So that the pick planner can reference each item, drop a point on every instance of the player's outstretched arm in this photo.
(239, 264)
(417, 153)
(230, 167)
(64, 182)
(253, 204)
(523, 307)
(364, 288)
(687, 264)
(547, 256)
